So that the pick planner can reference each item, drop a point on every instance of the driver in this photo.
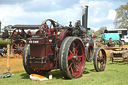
(29, 34)
(111, 43)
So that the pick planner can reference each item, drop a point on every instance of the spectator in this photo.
(120, 43)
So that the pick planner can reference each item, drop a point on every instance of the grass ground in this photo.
(114, 74)
(15, 65)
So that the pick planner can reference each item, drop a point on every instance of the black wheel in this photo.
(89, 49)
(100, 59)
(26, 55)
(61, 51)
(72, 57)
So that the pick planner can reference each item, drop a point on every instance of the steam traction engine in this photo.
(64, 48)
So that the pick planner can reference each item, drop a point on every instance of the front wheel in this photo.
(26, 55)
(100, 59)
(72, 57)
(26, 62)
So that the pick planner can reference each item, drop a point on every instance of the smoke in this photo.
(83, 2)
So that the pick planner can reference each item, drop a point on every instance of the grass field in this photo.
(114, 74)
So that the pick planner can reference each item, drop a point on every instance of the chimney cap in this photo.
(86, 6)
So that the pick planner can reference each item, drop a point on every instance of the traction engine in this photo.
(65, 48)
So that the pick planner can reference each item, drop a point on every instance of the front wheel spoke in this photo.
(98, 58)
(18, 46)
(20, 53)
(101, 59)
(15, 51)
(15, 47)
(22, 48)
(15, 44)
(101, 64)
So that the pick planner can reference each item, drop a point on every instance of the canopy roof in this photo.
(26, 26)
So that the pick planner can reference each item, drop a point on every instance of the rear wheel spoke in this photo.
(78, 68)
(70, 65)
(71, 52)
(70, 57)
(80, 56)
(72, 71)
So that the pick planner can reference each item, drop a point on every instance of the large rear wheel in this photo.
(100, 59)
(72, 57)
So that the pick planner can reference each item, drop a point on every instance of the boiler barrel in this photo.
(3, 43)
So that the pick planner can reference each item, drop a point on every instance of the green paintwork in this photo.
(3, 43)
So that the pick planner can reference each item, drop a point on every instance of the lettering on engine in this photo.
(33, 41)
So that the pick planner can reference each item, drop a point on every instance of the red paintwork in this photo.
(37, 51)
(76, 67)
(63, 35)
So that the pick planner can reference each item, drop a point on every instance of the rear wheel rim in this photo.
(76, 59)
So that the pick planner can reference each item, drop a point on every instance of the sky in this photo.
(34, 12)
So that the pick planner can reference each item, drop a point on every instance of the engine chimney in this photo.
(0, 26)
(85, 17)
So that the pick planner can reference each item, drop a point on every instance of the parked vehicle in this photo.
(106, 36)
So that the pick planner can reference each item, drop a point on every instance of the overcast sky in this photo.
(101, 12)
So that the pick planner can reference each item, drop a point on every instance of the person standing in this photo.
(120, 43)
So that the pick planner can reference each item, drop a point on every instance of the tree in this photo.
(91, 31)
(101, 30)
(121, 20)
